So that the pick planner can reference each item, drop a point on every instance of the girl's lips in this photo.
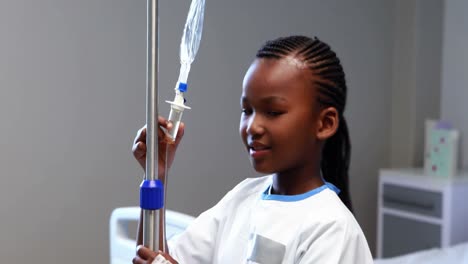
(257, 145)
(257, 149)
(258, 153)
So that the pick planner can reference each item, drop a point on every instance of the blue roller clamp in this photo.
(151, 195)
(183, 87)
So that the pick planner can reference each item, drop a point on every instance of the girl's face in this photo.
(279, 117)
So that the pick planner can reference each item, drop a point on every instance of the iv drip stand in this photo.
(152, 189)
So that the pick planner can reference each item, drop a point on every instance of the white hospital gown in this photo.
(251, 226)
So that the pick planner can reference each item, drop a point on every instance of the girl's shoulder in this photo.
(327, 212)
(332, 225)
(329, 207)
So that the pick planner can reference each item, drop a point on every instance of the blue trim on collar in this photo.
(298, 197)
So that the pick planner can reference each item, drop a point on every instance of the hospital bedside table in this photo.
(417, 212)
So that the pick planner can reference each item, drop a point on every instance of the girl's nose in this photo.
(254, 126)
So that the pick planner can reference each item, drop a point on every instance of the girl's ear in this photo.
(328, 123)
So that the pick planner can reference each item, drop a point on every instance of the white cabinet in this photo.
(417, 212)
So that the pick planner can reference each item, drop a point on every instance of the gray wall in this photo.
(72, 82)
(416, 75)
(72, 95)
(454, 68)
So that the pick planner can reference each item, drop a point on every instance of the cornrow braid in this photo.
(324, 64)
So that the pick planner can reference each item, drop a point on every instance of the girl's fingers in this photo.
(161, 133)
(139, 144)
(139, 150)
(138, 260)
(145, 253)
(141, 135)
(163, 122)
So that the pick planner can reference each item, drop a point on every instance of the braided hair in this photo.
(330, 82)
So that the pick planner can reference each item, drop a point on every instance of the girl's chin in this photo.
(262, 168)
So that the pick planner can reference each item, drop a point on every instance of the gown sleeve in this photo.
(197, 244)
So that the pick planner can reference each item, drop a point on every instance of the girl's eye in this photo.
(274, 113)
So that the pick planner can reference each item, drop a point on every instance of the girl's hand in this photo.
(147, 256)
(139, 145)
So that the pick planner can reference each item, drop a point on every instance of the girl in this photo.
(293, 129)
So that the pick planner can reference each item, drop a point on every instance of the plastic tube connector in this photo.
(151, 195)
(175, 115)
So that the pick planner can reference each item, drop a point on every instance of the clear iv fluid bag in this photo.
(191, 38)
(189, 44)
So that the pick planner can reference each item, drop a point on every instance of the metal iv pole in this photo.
(152, 188)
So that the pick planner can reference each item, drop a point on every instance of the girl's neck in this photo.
(296, 181)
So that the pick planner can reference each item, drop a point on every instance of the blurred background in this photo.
(72, 97)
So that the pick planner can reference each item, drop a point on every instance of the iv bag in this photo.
(191, 38)
(188, 50)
